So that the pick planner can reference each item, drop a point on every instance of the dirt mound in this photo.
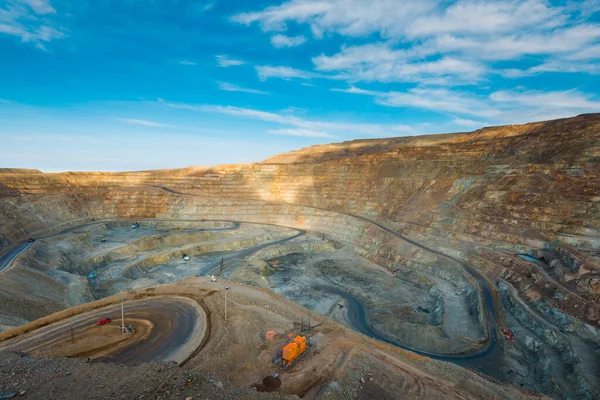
(63, 378)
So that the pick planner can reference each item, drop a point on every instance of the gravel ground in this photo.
(61, 378)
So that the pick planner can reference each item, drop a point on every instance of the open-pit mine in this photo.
(445, 266)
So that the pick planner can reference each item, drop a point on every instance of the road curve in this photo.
(177, 329)
(9, 256)
(213, 267)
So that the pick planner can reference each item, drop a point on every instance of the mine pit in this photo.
(435, 315)
(419, 311)
(434, 267)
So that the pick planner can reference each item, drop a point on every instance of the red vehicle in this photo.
(508, 335)
(103, 321)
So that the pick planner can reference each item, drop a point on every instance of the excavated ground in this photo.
(103, 259)
(492, 229)
(418, 310)
(235, 357)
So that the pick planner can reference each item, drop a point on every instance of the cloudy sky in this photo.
(132, 84)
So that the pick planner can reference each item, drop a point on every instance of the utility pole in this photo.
(226, 290)
(221, 268)
(72, 333)
(122, 314)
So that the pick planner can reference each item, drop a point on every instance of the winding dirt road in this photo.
(490, 300)
(483, 358)
(175, 328)
(7, 258)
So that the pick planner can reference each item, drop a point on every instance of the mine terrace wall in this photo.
(481, 197)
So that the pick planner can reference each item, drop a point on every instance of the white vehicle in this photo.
(213, 278)
(186, 257)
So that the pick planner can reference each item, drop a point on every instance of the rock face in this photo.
(439, 203)
(480, 197)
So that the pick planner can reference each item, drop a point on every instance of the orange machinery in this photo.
(293, 350)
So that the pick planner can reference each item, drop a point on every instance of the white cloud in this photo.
(486, 17)
(590, 53)
(207, 6)
(190, 63)
(294, 122)
(142, 122)
(565, 66)
(508, 47)
(358, 56)
(31, 21)
(567, 100)
(349, 17)
(287, 41)
(501, 107)
(584, 7)
(301, 132)
(378, 62)
(553, 66)
(267, 71)
(521, 106)
(393, 19)
(230, 87)
(443, 42)
(225, 61)
(40, 6)
(288, 73)
(514, 73)
(439, 100)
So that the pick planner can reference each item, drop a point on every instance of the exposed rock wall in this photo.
(479, 197)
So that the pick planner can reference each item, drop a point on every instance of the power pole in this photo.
(226, 290)
(221, 268)
(72, 333)
(122, 314)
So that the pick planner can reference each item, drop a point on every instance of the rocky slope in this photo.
(482, 197)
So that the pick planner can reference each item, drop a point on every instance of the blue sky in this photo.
(131, 84)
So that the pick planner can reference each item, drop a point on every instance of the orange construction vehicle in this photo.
(293, 350)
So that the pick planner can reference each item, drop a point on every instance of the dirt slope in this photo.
(343, 365)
